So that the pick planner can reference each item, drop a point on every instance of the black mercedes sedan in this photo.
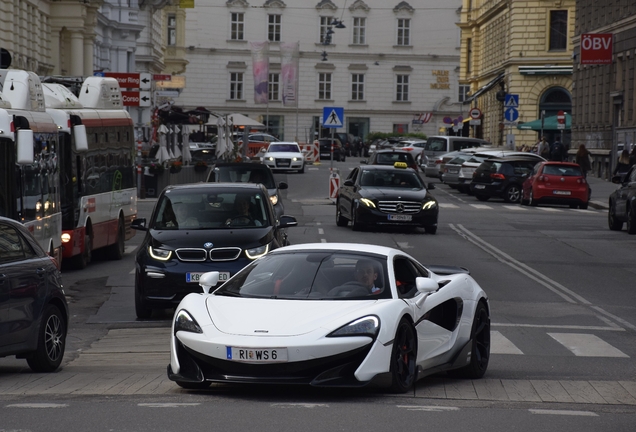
(33, 308)
(386, 195)
(622, 202)
(198, 228)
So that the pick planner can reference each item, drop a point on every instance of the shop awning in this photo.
(549, 123)
(485, 88)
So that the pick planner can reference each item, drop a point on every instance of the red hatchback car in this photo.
(556, 183)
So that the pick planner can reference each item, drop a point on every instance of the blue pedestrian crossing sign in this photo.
(512, 101)
(332, 117)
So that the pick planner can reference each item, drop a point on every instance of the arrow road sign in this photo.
(145, 80)
(332, 117)
(511, 114)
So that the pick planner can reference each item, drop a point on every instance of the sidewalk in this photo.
(601, 190)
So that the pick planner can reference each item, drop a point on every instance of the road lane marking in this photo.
(448, 205)
(550, 209)
(563, 412)
(167, 405)
(429, 408)
(404, 245)
(321, 231)
(519, 208)
(502, 345)
(36, 405)
(300, 405)
(612, 326)
(323, 240)
(481, 206)
(587, 345)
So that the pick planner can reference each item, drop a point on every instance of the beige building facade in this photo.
(519, 48)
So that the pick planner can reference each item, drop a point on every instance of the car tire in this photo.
(430, 229)
(51, 341)
(512, 194)
(82, 260)
(141, 307)
(344, 157)
(194, 385)
(532, 201)
(355, 225)
(403, 362)
(613, 223)
(341, 221)
(583, 206)
(302, 170)
(631, 219)
(116, 250)
(482, 197)
(480, 349)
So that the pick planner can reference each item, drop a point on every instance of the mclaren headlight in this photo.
(274, 199)
(366, 326)
(429, 205)
(367, 202)
(183, 321)
(159, 254)
(257, 252)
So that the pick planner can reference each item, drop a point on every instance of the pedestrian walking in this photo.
(622, 165)
(632, 156)
(583, 159)
(557, 151)
(543, 149)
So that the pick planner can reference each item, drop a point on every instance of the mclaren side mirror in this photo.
(209, 280)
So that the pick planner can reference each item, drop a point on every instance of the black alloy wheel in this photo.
(341, 221)
(51, 341)
(612, 221)
(631, 219)
(531, 201)
(512, 194)
(480, 350)
(403, 358)
(355, 225)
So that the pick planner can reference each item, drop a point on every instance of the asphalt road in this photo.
(561, 291)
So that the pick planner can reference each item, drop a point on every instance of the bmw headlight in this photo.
(183, 321)
(367, 202)
(367, 326)
(274, 199)
(429, 205)
(159, 254)
(257, 252)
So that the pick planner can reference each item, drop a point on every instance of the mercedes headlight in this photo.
(257, 252)
(159, 254)
(183, 321)
(274, 199)
(429, 205)
(367, 202)
(367, 326)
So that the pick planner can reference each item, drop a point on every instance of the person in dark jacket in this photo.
(632, 156)
(583, 159)
(557, 151)
(622, 165)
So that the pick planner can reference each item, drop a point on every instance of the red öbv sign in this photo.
(596, 48)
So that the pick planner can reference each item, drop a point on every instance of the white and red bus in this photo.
(97, 187)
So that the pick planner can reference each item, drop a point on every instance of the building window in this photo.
(463, 92)
(274, 86)
(404, 31)
(324, 86)
(237, 26)
(558, 30)
(172, 30)
(236, 85)
(357, 87)
(402, 88)
(273, 28)
(359, 31)
(325, 30)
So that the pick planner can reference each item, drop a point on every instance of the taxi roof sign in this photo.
(400, 165)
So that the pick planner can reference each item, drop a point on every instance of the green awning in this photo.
(549, 123)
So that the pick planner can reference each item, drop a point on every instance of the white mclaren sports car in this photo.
(332, 314)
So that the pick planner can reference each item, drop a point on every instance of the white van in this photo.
(437, 146)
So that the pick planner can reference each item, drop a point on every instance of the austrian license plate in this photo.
(325, 155)
(283, 164)
(479, 186)
(195, 276)
(402, 218)
(558, 192)
(257, 355)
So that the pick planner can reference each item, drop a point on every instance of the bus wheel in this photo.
(116, 250)
(82, 260)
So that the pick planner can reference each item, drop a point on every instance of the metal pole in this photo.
(333, 143)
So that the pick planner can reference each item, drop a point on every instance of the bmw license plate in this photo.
(402, 218)
(195, 276)
(558, 192)
(480, 186)
(257, 355)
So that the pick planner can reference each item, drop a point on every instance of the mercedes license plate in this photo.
(480, 186)
(558, 192)
(402, 218)
(195, 276)
(257, 355)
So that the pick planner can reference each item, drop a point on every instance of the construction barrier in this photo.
(311, 151)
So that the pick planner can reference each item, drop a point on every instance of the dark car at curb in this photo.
(390, 156)
(326, 149)
(196, 228)
(379, 195)
(242, 172)
(33, 309)
(622, 203)
(502, 178)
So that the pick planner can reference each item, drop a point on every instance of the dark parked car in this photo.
(390, 157)
(240, 172)
(33, 308)
(325, 149)
(347, 141)
(622, 203)
(198, 228)
(502, 178)
(386, 195)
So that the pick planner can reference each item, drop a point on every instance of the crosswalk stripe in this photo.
(587, 345)
(509, 207)
(499, 344)
(549, 209)
(481, 206)
(448, 205)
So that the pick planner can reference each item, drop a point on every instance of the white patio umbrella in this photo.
(162, 154)
(222, 145)
(169, 143)
(185, 139)
(175, 142)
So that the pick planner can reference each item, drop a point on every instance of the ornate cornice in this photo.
(274, 4)
(237, 3)
(403, 7)
(326, 4)
(359, 5)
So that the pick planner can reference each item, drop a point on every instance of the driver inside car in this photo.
(366, 274)
(242, 214)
